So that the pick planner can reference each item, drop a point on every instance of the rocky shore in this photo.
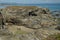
(26, 23)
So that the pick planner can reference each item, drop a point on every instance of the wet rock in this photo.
(56, 14)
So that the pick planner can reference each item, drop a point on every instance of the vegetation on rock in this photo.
(53, 37)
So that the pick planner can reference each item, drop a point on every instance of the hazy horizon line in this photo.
(27, 3)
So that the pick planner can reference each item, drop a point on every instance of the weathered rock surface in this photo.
(28, 23)
(56, 14)
(31, 17)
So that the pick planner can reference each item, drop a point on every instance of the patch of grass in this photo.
(53, 37)
(58, 20)
(20, 32)
(15, 30)
(17, 7)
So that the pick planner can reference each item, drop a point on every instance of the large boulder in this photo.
(27, 23)
(31, 17)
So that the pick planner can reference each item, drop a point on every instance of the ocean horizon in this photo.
(53, 7)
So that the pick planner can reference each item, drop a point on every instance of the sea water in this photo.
(49, 6)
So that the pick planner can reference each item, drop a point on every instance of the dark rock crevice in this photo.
(32, 14)
(1, 20)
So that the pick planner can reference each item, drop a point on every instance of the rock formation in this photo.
(28, 23)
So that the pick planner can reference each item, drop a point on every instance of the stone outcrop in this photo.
(31, 17)
(28, 23)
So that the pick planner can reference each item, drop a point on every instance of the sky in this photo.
(30, 1)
